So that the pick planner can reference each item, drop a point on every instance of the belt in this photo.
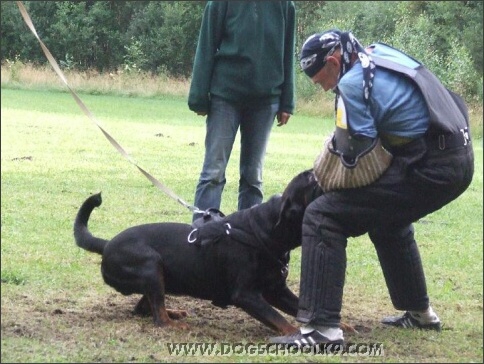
(449, 141)
(395, 140)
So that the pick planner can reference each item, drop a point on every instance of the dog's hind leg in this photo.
(176, 314)
(143, 309)
(155, 296)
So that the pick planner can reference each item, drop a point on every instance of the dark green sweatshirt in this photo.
(245, 54)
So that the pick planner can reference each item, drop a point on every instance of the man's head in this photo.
(327, 56)
(316, 50)
(320, 58)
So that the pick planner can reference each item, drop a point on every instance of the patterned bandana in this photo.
(318, 47)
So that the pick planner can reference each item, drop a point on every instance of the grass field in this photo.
(54, 304)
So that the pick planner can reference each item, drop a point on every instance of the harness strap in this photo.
(449, 141)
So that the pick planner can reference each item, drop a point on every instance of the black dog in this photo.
(241, 260)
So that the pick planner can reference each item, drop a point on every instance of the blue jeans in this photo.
(223, 122)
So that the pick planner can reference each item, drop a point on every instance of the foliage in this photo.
(425, 30)
(68, 63)
(15, 67)
(135, 59)
(168, 34)
(461, 76)
(134, 82)
(421, 40)
(160, 37)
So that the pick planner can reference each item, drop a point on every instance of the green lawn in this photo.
(53, 157)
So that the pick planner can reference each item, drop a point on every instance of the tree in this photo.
(161, 36)
(167, 32)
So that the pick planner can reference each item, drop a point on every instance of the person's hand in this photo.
(282, 118)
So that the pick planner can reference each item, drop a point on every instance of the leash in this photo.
(86, 111)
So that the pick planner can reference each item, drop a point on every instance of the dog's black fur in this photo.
(245, 267)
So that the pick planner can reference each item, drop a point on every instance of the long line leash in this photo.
(86, 111)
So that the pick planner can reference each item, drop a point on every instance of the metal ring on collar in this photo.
(285, 270)
(227, 228)
(190, 239)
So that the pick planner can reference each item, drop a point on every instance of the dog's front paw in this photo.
(180, 325)
(167, 322)
(176, 314)
(347, 328)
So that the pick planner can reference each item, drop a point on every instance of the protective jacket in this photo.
(448, 112)
(349, 160)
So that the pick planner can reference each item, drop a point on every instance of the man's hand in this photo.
(282, 118)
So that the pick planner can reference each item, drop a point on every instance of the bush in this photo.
(420, 40)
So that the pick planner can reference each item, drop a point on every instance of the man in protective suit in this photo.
(401, 149)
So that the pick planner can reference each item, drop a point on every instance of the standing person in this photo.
(243, 76)
(400, 150)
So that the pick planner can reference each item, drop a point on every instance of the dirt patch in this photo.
(32, 319)
(98, 325)
(68, 318)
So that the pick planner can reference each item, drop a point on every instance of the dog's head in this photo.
(297, 195)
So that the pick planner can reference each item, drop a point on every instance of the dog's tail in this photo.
(84, 238)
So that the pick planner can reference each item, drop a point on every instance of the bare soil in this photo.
(100, 327)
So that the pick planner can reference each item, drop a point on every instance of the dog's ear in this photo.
(282, 212)
(291, 211)
(294, 197)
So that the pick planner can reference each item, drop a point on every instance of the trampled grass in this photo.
(55, 306)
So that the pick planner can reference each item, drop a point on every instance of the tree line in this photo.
(160, 37)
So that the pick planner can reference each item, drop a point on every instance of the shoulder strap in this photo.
(448, 111)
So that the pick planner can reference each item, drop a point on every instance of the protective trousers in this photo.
(323, 267)
(418, 182)
(398, 252)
